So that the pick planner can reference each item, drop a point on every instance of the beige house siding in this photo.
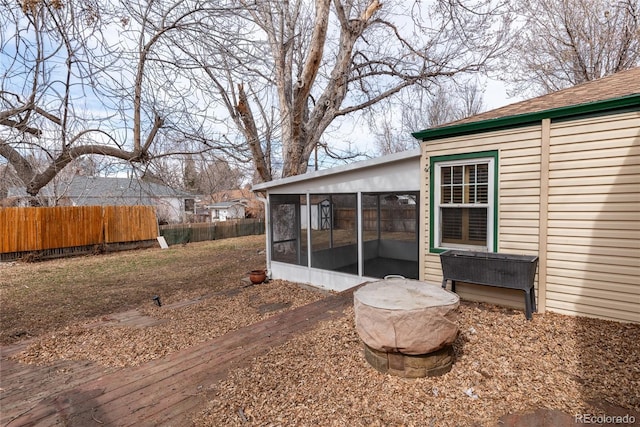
(593, 251)
(591, 246)
(518, 201)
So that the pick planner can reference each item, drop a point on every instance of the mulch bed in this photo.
(504, 364)
(176, 326)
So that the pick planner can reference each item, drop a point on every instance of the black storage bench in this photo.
(492, 269)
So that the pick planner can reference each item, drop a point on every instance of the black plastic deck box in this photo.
(493, 269)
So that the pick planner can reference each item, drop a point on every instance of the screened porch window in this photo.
(390, 234)
(288, 228)
(334, 241)
(464, 205)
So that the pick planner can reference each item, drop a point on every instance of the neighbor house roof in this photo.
(90, 190)
(225, 205)
(234, 194)
(617, 91)
(119, 187)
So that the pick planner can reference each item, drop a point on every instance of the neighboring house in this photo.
(253, 207)
(556, 176)
(171, 205)
(223, 211)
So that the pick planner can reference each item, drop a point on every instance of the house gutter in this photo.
(518, 120)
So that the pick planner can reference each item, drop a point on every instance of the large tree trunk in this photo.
(251, 134)
(305, 127)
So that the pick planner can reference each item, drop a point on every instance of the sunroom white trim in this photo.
(396, 173)
(333, 179)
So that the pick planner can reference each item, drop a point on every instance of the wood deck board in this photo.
(164, 391)
(201, 371)
(14, 371)
(38, 382)
(198, 378)
(10, 350)
(57, 375)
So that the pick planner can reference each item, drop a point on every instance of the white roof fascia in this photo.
(369, 163)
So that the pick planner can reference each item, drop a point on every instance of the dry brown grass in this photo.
(38, 298)
(175, 326)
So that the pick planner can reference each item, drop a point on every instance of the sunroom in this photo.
(342, 226)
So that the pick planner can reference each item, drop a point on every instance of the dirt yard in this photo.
(504, 364)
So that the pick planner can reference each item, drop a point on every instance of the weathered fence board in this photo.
(129, 223)
(184, 233)
(395, 218)
(41, 229)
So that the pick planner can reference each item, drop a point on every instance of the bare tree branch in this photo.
(244, 110)
(564, 43)
(72, 90)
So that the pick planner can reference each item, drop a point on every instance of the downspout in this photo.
(360, 234)
(267, 230)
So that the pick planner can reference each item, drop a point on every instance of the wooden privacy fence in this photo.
(392, 218)
(184, 233)
(53, 229)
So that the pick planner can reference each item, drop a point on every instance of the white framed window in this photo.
(463, 202)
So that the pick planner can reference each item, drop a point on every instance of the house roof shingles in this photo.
(617, 86)
(226, 205)
(88, 190)
(120, 187)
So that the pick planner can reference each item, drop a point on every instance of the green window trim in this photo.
(433, 160)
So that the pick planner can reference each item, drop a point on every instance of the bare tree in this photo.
(260, 81)
(470, 102)
(291, 68)
(562, 43)
(217, 175)
(163, 170)
(8, 179)
(190, 175)
(393, 123)
(95, 78)
(391, 138)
